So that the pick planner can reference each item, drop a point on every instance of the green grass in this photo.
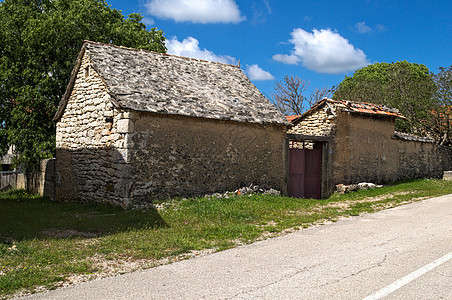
(45, 243)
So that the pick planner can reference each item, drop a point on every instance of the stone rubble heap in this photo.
(343, 189)
(247, 190)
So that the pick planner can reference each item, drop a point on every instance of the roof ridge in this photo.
(353, 101)
(153, 52)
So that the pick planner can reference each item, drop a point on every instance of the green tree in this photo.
(440, 124)
(39, 42)
(409, 87)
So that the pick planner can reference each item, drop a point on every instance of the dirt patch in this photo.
(65, 233)
(121, 265)
(384, 197)
(341, 206)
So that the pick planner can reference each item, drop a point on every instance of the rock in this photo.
(273, 192)
(363, 185)
(353, 187)
(342, 188)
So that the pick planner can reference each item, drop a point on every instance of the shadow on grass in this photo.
(25, 216)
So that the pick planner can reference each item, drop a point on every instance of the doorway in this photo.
(305, 169)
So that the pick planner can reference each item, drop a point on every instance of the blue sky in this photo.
(319, 41)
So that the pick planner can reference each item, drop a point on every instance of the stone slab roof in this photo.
(146, 81)
(410, 137)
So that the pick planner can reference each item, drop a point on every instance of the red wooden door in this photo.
(296, 172)
(313, 173)
(305, 173)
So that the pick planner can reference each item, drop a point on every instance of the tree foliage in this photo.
(440, 123)
(409, 87)
(288, 96)
(39, 42)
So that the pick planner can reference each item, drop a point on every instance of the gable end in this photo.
(87, 72)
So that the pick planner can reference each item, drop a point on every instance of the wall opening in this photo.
(305, 169)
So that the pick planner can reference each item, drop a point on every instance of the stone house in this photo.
(135, 125)
(357, 142)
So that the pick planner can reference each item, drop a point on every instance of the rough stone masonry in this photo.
(135, 126)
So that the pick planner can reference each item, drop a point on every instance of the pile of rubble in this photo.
(247, 190)
(343, 189)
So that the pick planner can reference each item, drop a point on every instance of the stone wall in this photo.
(183, 156)
(43, 181)
(364, 149)
(8, 180)
(319, 123)
(91, 152)
(40, 182)
(421, 159)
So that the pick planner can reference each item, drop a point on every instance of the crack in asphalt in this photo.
(385, 242)
(373, 266)
(287, 276)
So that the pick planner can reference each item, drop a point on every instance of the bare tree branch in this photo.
(288, 96)
(319, 94)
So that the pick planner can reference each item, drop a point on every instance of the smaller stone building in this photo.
(359, 144)
(135, 125)
(8, 176)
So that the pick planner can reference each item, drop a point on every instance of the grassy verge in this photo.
(46, 244)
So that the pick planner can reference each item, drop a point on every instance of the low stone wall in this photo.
(417, 159)
(447, 175)
(367, 149)
(42, 182)
(8, 180)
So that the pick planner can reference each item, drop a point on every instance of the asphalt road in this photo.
(400, 253)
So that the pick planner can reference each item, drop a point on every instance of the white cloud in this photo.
(362, 27)
(189, 47)
(287, 59)
(323, 51)
(196, 11)
(257, 73)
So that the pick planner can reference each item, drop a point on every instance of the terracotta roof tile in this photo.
(366, 108)
(351, 106)
(291, 118)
